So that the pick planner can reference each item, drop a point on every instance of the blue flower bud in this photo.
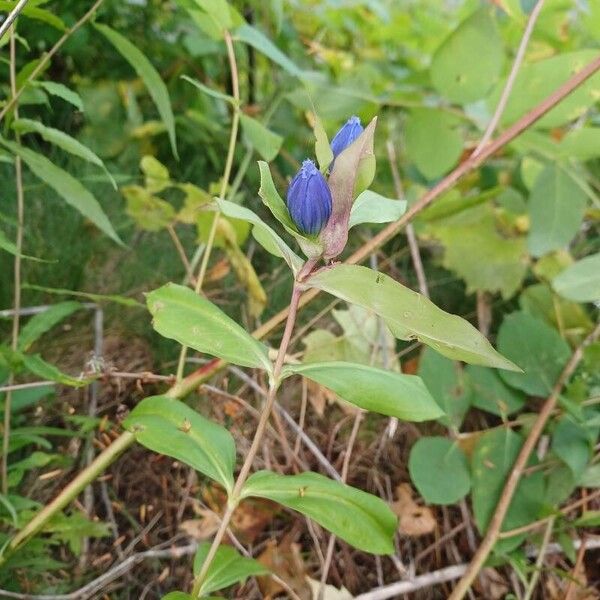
(309, 199)
(346, 135)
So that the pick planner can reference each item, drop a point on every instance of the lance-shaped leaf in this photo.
(192, 320)
(62, 140)
(360, 519)
(227, 568)
(354, 168)
(410, 315)
(263, 234)
(148, 74)
(170, 427)
(271, 198)
(323, 150)
(43, 322)
(377, 390)
(66, 186)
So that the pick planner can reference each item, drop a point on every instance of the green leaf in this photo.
(480, 253)
(490, 393)
(149, 75)
(45, 321)
(11, 248)
(263, 234)
(177, 596)
(194, 321)
(580, 282)
(66, 186)
(581, 144)
(156, 175)
(571, 443)
(492, 462)
(218, 11)
(323, 150)
(122, 300)
(439, 470)
(209, 91)
(556, 208)
(62, 91)
(469, 61)
(149, 212)
(264, 141)
(432, 141)
(361, 519)
(537, 348)
(62, 140)
(377, 390)
(371, 207)
(537, 81)
(446, 383)
(273, 201)
(255, 38)
(590, 477)
(408, 314)
(170, 427)
(227, 568)
(37, 365)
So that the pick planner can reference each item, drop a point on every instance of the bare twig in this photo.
(8, 21)
(235, 121)
(181, 252)
(42, 64)
(511, 78)
(17, 265)
(420, 582)
(539, 563)
(413, 244)
(517, 471)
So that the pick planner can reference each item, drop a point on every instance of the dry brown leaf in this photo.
(329, 593)
(283, 559)
(251, 518)
(414, 520)
(203, 528)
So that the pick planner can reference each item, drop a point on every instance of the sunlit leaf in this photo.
(371, 207)
(181, 314)
(386, 392)
(408, 314)
(361, 519)
(580, 282)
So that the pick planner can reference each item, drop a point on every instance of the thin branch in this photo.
(11, 17)
(420, 582)
(517, 471)
(42, 64)
(511, 78)
(235, 121)
(539, 563)
(17, 265)
(181, 251)
(413, 244)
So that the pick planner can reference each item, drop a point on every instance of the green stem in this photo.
(260, 429)
(235, 121)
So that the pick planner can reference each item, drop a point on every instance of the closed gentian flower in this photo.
(346, 135)
(309, 199)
